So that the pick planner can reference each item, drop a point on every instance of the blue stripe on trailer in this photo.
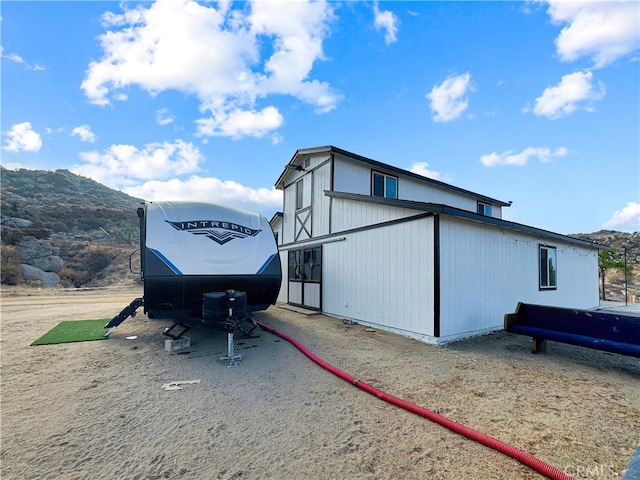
(264, 266)
(175, 269)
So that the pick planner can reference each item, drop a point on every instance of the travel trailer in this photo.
(198, 260)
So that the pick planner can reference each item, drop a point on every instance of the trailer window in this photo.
(548, 267)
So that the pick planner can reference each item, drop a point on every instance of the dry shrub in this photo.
(10, 273)
(87, 266)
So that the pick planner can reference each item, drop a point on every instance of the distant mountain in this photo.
(623, 243)
(94, 228)
(66, 203)
(615, 239)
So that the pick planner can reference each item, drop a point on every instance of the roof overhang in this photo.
(276, 217)
(439, 209)
(295, 164)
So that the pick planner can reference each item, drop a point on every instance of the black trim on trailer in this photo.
(436, 276)
(143, 238)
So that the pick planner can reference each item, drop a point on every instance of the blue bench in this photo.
(605, 331)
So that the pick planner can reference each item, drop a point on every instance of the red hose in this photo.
(509, 450)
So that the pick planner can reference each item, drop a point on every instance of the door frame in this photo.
(305, 273)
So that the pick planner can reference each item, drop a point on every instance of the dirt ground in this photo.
(98, 410)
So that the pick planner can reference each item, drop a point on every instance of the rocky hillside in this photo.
(614, 278)
(59, 228)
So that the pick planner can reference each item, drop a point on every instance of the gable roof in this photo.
(276, 216)
(298, 157)
(436, 208)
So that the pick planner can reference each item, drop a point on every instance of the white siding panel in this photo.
(410, 189)
(383, 277)
(306, 190)
(355, 177)
(295, 292)
(284, 261)
(312, 295)
(321, 203)
(347, 214)
(351, 177)
(485, 271)
(288, 215)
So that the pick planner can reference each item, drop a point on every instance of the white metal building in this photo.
(373, 243)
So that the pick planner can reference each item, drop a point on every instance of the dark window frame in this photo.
(384, 177)
(547, 267)
(304, 266)
(300, 194)
(482, 209)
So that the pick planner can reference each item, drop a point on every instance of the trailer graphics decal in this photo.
(218, 231)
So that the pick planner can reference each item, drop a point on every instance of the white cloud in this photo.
(14, 57)
(84, 132)
(601, 30)
(22, 138)
(421, 168)
(216, 55)
(387, 21)
(574, 90)
(210, 189)
(543, 154)
(163, 117)
(239, 123)
(448, 100)
(626, 219)
(126, 165)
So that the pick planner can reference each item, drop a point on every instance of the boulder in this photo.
(34, 249)
(50, 263)
(34, 274)
(16, 222)
(40, 254)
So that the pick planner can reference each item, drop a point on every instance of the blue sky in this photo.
(532, 102)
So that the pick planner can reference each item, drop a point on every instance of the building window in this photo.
(548, 267)
(484, 209)
(299, 194)
(384, 185)
(305, 265)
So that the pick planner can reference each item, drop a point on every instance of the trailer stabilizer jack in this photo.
(128, 311)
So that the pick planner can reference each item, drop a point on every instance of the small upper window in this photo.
(548, 268)
(299, 194)
(484, 209)
(384, 185)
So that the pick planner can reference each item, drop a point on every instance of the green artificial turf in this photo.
(74, 331)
